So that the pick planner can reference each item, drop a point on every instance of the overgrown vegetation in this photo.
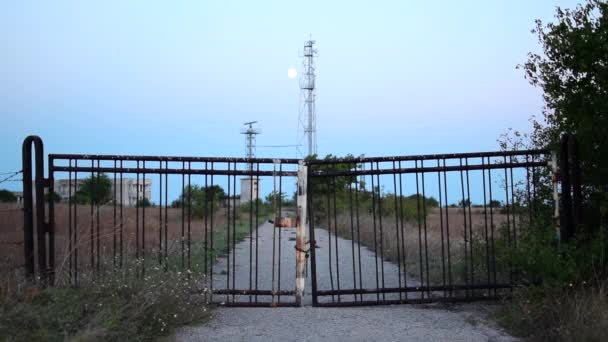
(120, 303)
(201, 257)
(567, 299)
(119, 307)
(549, 313)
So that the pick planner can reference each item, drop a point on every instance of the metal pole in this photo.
(28, 209)
(28, 206)
(302, 226)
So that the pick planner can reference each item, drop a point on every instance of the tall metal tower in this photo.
(307, 121)
(250, 133)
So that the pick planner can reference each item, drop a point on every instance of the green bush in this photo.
(52, 196)
(94, 190)
(143, 203)
(202, 200)
(7, 196)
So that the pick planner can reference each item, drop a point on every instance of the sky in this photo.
(181, 77)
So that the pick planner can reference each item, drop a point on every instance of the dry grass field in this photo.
(416, 244)
(442, 243)
(101, 232)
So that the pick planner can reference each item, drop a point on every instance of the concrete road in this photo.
(382, 323)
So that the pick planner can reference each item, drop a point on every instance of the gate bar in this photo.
(180, 171)
(172, 158)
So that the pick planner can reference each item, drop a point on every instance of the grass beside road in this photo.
(118, 306)
(571, 313)
(200, 255)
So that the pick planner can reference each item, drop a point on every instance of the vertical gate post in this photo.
(28, 208)
(302, 226)
(51, 224)
(310, 219)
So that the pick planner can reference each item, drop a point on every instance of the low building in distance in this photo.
(127, 191)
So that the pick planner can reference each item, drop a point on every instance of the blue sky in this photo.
(180, 77)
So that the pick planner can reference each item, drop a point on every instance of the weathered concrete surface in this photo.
(383, 323)
(387, 323)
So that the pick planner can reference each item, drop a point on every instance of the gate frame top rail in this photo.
(428, 157)
(171, 158)
(192, 171)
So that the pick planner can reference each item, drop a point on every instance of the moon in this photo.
(292, 73)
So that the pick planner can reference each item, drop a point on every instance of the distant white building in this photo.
(18, 197)
(132, 190)
(250, 189)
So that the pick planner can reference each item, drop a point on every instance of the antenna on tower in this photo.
(307, 121)
(250, 133)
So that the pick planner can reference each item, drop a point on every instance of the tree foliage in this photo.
(96, 189)
(52, 196)
(273, 198)
(573, 74)
(201, 199)
(343, 192)
(143, 203)
(7, 196)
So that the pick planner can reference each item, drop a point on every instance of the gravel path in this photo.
(435, 322)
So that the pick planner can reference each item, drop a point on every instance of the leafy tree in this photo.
(330, 183)
(342, 189)
(95, 189)
(201, 199)
(322, 187)
(430, 202)
(52, 196)
(465, 202)
(294, 197)
(7, 196)
(409, 207)
(495, 204)
(144, 202)
(274, 198)
(573, 74)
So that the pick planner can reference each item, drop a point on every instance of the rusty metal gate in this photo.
(408, 229)
(212, 231)
(417, 229)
